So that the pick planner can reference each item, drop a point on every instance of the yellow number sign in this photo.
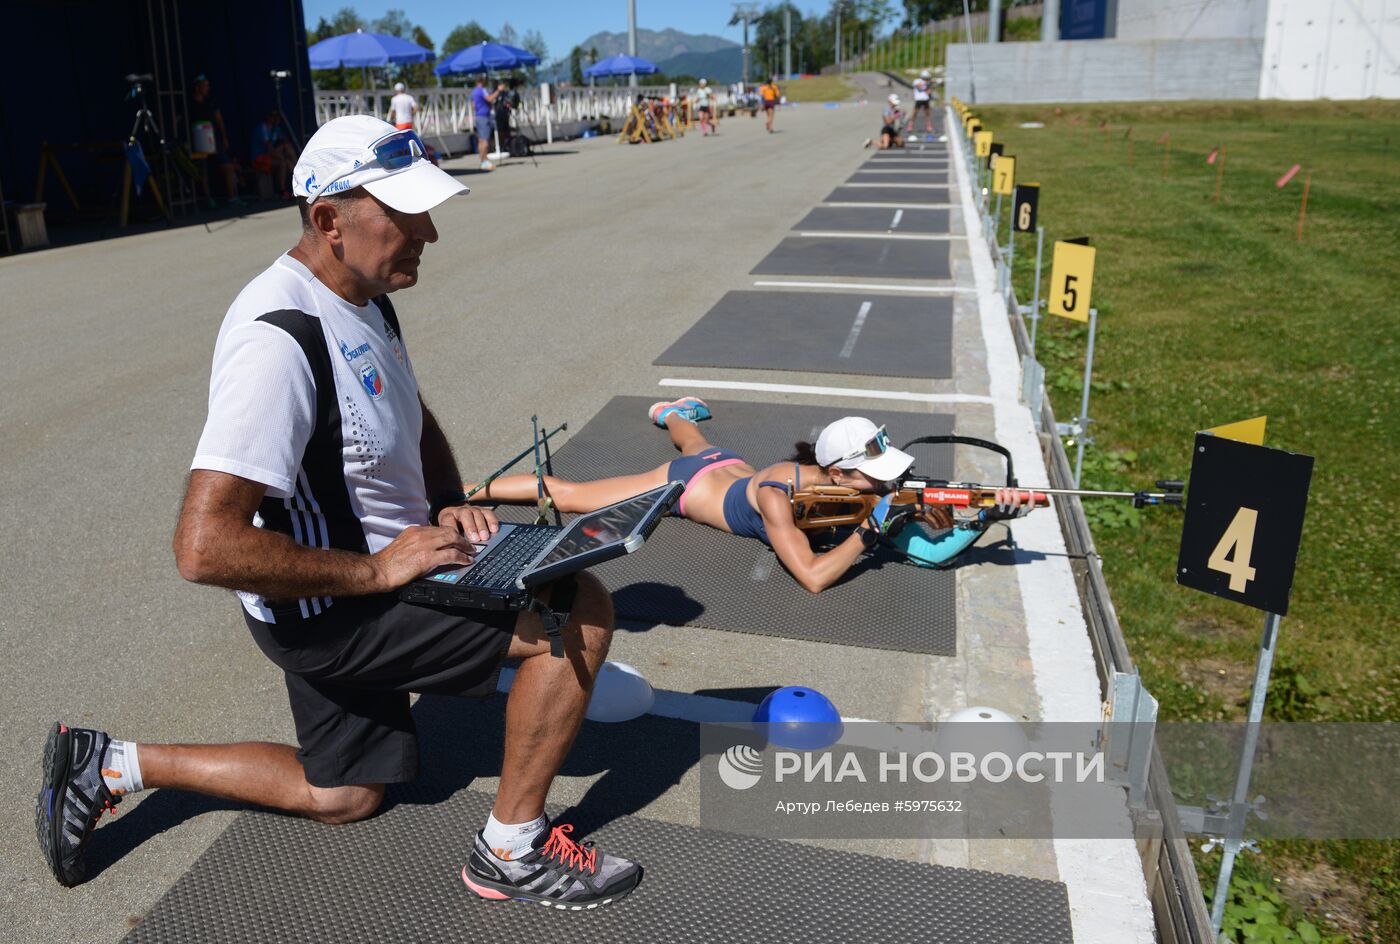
(968, 121)
(1071, 281)
(1004, 174)
(982, 143)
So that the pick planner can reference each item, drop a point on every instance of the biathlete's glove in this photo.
(1011, 503)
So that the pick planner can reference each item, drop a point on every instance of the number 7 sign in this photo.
(1244, 521)
(1071, 281)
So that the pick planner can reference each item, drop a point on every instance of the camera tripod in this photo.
(144, 123)
(277, 76)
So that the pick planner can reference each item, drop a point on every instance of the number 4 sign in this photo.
(1244, 520)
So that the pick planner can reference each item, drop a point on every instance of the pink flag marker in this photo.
(1292, 172)
(1166, 136)
(1214, 153)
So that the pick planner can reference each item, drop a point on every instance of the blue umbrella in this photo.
(486, 57)
(359, 49)
(620, 65)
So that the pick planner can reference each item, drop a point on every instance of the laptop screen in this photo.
(603, 527)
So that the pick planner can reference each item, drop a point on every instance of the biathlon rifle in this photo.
(542, 468)
(942, 502)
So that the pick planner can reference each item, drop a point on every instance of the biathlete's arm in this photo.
(815, 572)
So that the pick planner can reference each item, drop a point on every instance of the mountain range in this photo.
(674, 52)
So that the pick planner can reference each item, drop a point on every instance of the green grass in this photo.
(1214, 312)
(820, 88)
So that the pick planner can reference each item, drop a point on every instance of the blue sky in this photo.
(562, 22)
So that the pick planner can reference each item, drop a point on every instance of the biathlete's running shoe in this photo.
(687, 408)
(557, 873)
(72, 797)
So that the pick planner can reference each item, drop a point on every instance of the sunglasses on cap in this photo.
(874, 446)
(393, 151)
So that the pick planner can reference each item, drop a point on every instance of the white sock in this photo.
(507, 840)
(121, 769)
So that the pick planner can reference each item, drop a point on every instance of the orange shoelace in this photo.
(570, 853)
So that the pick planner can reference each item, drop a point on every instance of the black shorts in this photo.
(349, 672)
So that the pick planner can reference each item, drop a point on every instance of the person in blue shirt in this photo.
(272, 153)
(483, 104)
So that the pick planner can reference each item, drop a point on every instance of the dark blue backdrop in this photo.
(66, 61)
(1083, 19)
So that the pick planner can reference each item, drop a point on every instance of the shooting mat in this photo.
(859, 257)
(835, 333)
(396, 878)
(898, 177)
(691, 575)
(875, 220)
(904, 196)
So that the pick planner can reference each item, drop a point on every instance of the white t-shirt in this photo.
(316, 399)
(921, 90)
(401, 108)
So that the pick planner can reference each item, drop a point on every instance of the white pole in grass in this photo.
(1084, 400)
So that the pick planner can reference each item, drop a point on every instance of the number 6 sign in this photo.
(1071, 280)
(1244, 520)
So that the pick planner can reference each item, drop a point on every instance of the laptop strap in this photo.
(555, 613)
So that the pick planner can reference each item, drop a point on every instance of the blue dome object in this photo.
(800, 719)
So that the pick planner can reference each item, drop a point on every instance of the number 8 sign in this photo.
(1244, 520)
(1071, 280)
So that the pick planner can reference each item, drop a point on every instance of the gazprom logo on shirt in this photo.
(350, 353)
(374, 384)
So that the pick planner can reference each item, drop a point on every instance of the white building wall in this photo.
(1192, 19)
(1336, 49)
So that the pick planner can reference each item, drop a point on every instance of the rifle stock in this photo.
(831, 506)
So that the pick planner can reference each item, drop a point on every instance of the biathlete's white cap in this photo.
(702, 82)
(337, 159)
(894, 99)
(925, 74)
(398, 86)
(846, 444)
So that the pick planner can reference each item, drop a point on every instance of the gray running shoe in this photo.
(557, 873)
(72, 797)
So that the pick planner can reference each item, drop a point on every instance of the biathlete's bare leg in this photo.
(573, 497)
(687, 436)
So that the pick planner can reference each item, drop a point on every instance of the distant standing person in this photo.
(482, 104)
(771, 95)
(705, 108)
(403, 108)
(922, 88)
(209, 136)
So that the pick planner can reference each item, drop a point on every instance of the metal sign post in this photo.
(1082, 420)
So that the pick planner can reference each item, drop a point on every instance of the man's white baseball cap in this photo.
(853, 442)
(398, 86)
(702, 83)
(925, 74)
(352, 151)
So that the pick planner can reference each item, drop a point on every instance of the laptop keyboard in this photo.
(499, 569)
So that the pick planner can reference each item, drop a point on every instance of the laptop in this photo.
(520, 557)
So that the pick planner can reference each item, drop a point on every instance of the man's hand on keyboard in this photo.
(416, 551)
(478, 524)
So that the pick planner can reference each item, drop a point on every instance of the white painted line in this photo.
(823, 234)
(904, 204)
(872, 287)
(865, 394)
(855, 329)
(898, 215)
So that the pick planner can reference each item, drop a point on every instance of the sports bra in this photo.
(741, 517)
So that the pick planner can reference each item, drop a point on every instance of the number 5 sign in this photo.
(1244, 520)
(1071, 280)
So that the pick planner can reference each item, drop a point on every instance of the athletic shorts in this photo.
(349, 672)
(769, 106)
(688, 468)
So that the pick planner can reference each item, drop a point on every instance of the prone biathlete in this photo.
(724, 491)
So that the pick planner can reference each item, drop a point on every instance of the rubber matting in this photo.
(691, 575)
(836, 333)
(875, 220)
(898, 177)
(900, 196)
(932, 167)
(858, 256)
(911, 153)
(396, 878)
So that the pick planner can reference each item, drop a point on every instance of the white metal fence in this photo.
(449, 110)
